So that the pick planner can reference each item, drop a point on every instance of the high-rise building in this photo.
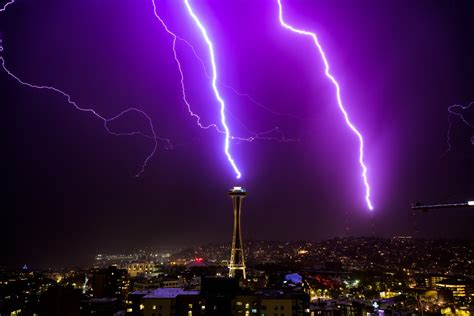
(237, 261)
(110, 282)
(459, 286)
(217, 294)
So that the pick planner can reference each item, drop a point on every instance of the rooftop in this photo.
(142, 292)
(171, 292)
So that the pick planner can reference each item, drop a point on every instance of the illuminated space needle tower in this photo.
(237, 262)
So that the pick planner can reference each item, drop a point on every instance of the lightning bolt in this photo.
(457, 110)
(105, 120)
(281, 137)
(6, 5)
(338, 97)
(215, 88)
(178, 64)
(267, 135)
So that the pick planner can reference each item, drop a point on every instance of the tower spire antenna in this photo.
(237, 261)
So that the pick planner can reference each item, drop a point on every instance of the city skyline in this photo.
(357, 276)
(71, 187)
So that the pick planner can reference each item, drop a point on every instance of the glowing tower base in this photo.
(237, 261)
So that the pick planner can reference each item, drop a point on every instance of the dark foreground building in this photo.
(60, 301)
(218, 297)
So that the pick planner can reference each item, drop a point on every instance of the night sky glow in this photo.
(217, 93)
(323, 109)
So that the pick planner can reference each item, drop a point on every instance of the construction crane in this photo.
(427, 207)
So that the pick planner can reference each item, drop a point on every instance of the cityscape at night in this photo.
(339, 276)
(237, 158)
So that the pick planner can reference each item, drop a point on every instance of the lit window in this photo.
(142, 306)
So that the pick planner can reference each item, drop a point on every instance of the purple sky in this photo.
(70, 191)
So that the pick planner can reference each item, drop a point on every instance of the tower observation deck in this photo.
(237, 261)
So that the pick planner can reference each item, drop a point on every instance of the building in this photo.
(433, 279)
(170, 302)
(201, 267)
(271, 303)
(146, 283)
(460, 287)
(60, 301)
(217, 294)
(100, 306)
(173, 283)
(134, 304)
(140, 269)
(110, 282)
(245, 304)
